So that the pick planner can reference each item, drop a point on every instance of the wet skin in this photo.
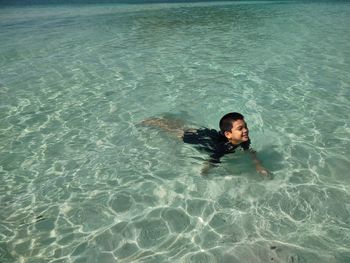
(239, 132)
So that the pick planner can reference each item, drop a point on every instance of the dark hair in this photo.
(226, 121)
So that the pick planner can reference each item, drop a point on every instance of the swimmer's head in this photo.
(235, 129)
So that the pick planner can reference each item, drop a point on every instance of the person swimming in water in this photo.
(233, 135)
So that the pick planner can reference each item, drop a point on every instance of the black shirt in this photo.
(213, 142)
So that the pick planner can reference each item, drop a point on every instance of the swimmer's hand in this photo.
(263, 171)
(207, 166)
(258, 166)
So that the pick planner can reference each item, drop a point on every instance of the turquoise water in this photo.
(83, 181)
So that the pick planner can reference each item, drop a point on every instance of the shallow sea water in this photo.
(83, 181)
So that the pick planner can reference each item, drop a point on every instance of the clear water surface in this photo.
(83, 181)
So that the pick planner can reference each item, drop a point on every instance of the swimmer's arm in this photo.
(211, 163)
(258, 165)
(207, 166)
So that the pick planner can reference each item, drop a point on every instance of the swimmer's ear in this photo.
(227, 134)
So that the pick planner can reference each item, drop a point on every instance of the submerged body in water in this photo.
(233, 135)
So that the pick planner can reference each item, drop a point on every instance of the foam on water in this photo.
(83, 181)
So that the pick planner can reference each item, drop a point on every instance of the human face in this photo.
(239, 132)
